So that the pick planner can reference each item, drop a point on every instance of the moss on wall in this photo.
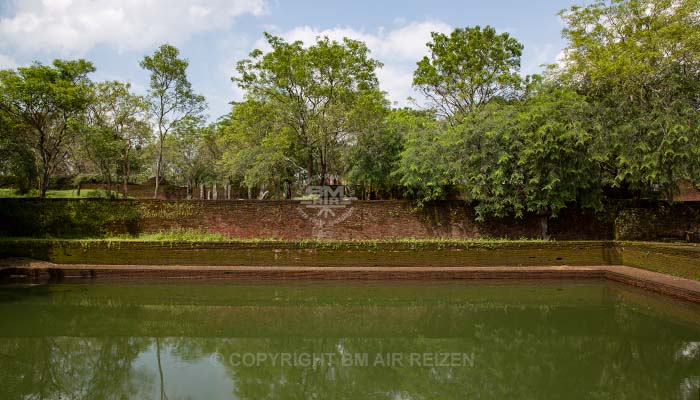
(313, 253)
(671, 259)
(67, 218)
(82, 218)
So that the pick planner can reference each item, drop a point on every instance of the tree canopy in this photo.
(617, 116)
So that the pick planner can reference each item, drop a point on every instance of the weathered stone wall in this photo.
(279, 219)
(680, 221)
(359, 220)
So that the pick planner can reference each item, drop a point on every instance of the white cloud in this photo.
(399, 49)
(76, 26)
(536, 56)
(7, 62)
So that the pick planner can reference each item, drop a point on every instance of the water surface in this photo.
(479, 340)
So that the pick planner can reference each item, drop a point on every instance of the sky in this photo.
(214, 34)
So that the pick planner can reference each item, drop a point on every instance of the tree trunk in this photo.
(109, 185)
(163, 396)
(310, 170)
(214, 192)
(127, 172)
(158, 166)
(201, 191)
(43, 185)
(544, 227)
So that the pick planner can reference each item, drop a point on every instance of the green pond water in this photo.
(313, 340)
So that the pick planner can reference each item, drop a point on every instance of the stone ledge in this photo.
(29, 271)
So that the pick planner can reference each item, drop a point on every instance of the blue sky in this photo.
(214, 34)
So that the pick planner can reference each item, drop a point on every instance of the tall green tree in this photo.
(194, 153)
(638, 64)
(46, 104)
(17, 161)
(536, 156)
(377, 152)
(467, 69)
(259, 151)
(170, 96)
(322, 95)
(118, 122)
(424, 169)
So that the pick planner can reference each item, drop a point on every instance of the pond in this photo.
(346, 340)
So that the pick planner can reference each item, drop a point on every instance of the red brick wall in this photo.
(359, 220)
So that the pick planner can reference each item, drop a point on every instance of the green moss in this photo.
(167, 210)
(314, 253)
(62, 218)
(682, 260)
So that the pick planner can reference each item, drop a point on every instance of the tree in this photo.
(194, 154)
(424, 166)
(467, 69)
(532, 156)
(170, 96)
(376, 153)
(101, 147)
(638, 64)
(259, 151)
(118, 123)
(17, 162)
(322, 96)
(535, 156)
(45, 104)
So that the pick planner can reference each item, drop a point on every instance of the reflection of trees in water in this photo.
(70, 368)
(630, 360)
(574, 347)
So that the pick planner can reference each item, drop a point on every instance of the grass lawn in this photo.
(60, 194)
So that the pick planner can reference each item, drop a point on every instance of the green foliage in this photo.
(317, 99)
(170, 96)
(638, 63)
(257, 151)
(467, 69)
(59, 194)
(377, 152)
(618, 115)
(45, 105)
(176, 235)
(71, 218)
(424, 167)
(116, 124)
(532, 156)
(193, 151)
(17, 161)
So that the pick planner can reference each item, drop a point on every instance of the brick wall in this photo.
(359, 220)
(659, 222)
